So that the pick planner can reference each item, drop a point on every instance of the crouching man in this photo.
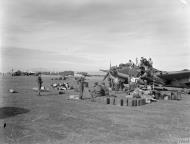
(105, 89)
(99, 90)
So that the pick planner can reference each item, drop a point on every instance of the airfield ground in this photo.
(53, 119)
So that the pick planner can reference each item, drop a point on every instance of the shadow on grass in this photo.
(6, 112)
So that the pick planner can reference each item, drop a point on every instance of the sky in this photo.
(85, 35)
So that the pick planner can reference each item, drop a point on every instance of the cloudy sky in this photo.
(84, 35)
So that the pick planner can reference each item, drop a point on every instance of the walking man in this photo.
(39, 81)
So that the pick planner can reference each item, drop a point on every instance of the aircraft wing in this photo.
(175, 75)
(106, 71)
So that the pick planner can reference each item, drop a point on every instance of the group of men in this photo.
(97, 90)
(101, 89)
(143, 61)
(145, 66)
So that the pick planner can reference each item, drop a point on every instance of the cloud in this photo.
(31, 15)
(183, 2)
(89, 31)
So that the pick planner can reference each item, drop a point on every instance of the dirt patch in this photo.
(6, 112)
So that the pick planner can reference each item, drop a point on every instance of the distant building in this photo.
(67, 73)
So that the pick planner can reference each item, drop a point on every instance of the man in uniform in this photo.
(97, 90)
(150, 62)
(109, 82)
(137, 62)
(81, 87)
(39, 81)
(105, 89)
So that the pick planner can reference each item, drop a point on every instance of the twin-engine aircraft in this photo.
(123, 73)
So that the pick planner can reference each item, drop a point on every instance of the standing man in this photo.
(130, 63)
(39, 81)
(109, 82)
(150, 62)
(81, 87)
(137, 62)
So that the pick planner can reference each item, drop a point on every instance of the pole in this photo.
(153, 80)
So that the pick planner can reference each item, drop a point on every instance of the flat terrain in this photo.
(53, 119)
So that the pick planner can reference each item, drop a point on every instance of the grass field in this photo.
(53, 119)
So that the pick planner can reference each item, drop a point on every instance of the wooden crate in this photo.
(139, 102)
(119, 101)
(130, 101)
(134, 102)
